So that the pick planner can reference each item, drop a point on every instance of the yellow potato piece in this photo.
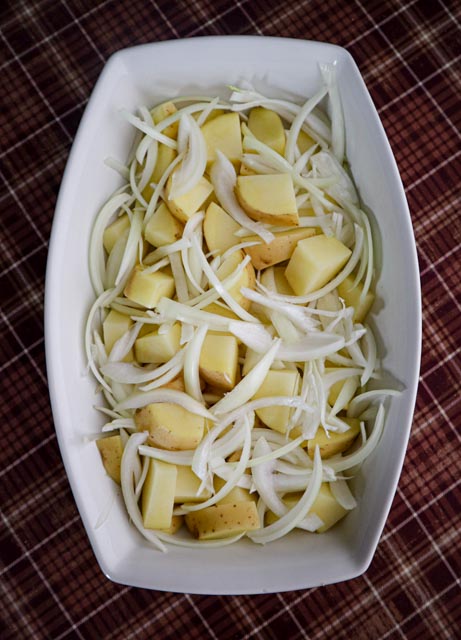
(114, 230)
(157, 499)
(165, 156)
(268, 198)
(334, 442)
(157, 348)
(176, 524)
(187, 486)
(237, 494)
(163, 228)
(219, 229)
(278, 383)
(247, 277)
(223, 134)
(183, 207)
(325, 507)
(267, 126)
(111, 450)
(304, 141)
(223, 520)
(335, 389)
(170, 426)
(147, 288)
(219, 360)
(162, 112)
(280, 249)
(314, 262)
(352, 298)
(114, 327)
(220, 311)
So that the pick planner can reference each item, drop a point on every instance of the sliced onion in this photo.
(191, 364)
(129, 458)
(249, 384)
(123, 345)
(342, 494)
(138, 400)
(132, 374)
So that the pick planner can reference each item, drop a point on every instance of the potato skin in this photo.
(280, 249)
(223, 520)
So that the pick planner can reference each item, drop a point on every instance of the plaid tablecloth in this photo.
(51, 53)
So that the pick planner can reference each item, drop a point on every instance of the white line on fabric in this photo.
(87, 38)
(421, 608)
(448, 12)
(22, 612)
(287, 608)
(440, 408)
(392, 14)
(383, 605)
(428, 174)
(28, 453)
(439, 260)
(41, 576)
(21, 206)
(197, 611)
(37, 88)
(440, 364)
(42, 543)
(428, 220)
(52, 35)
(410, 70)
(164, 17)
(23, 346)
(16, 357)
(14, 265)
(153, 619)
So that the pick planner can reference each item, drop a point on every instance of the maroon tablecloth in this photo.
(51, 53)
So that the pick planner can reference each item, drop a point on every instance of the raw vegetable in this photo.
(233, 276)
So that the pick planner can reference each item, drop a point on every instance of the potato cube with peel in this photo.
(183, 207)
(351, 297)
(157, 499)
(268, 198)
(246, 279)
(219, 360)
(163, 228)
(237, 494)
(334, 441)
(176, 524)
(114, 230)
(111, 450)
(223, 520)
(165, 156)
(147, 288)
(187, 486)
(219, 229)
(280, 249)
(223, 134)
(267, 126)
(284, 382)
(314, 262)
(170, 426)
(157, 348)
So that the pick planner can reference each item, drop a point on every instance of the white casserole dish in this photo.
(146, 75)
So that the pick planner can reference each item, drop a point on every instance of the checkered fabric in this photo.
(51, 52)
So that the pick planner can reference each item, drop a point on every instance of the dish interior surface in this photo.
(146, 75)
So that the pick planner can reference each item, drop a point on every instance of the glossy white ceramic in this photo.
(146, 75)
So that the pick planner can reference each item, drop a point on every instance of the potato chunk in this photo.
(157, 348)
(114, 230)
(267, 126)
(352, 298)
(334, 442)
(223, 134)
(163, 228)
(220, 311)
(278, 383)
(111, 450)
(237, 494)
(147, 288)
(170, 426)
(314, 262)
(157, 500)
(223, 520)
(325, 507)
(187, 486)
(219, 229)
(162, 112)
(114, 327)
(183, 207)
(219, 360)
(268, 198)
(247, 277)
(281, 248)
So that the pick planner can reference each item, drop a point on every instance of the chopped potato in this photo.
(114, 327)
(351, 297)
(285, 382)
(223, 520)
(267, 126)
(156, 348)
(163, 228)
(113, 232)
(147, 288)
(280, 249)
(111, 450)
(183, 207)
(247, 277)
(223, 134)
(268, 198)
(157, 499)
(219, 360)
(314, 262)
(334, 441)
(170, 426)
(187, 486)
(219, 229)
